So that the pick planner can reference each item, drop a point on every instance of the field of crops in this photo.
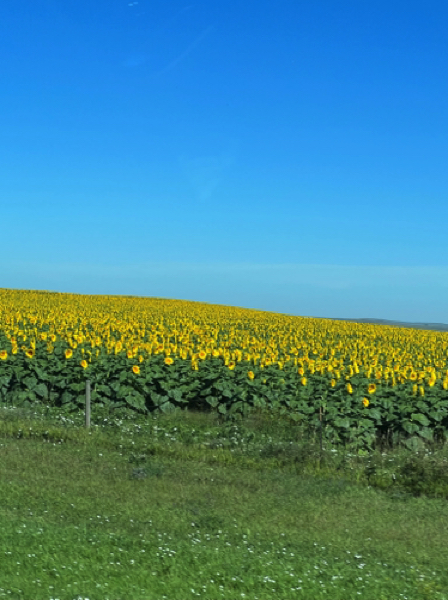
(356, 383)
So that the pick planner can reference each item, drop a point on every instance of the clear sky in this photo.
(289, 156)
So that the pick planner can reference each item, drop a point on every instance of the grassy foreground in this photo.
(183, 506)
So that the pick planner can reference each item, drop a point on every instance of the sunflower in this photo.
(168, 360)
(250, 374)
(3, 355)
(68, 353)
(30, 353)
(136, 369)
(365, 402)
(84, 364)
(372, 388)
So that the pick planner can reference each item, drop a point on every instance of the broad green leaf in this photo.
(374, 413)
(341, 422)
(423, 419)
(78, 386)
(426, 433)
(410, 427)
(297, 417)
(30, 382)
(167, 407)
(104, 389)
(41, 390)
(67, 397)
(415, 444)
(235, 407)
(136, 401)
(213, 401)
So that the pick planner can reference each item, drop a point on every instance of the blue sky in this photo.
(288, 156)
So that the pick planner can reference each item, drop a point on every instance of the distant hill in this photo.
(428, 326)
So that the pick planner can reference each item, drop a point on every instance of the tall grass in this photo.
(185, 505)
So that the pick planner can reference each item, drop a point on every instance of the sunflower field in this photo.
(355, 382)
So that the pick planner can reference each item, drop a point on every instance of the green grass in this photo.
(182, 506)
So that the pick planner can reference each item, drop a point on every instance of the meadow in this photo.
(232, 453)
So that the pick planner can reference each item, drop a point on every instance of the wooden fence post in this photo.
(320, 418)
(88, 403)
